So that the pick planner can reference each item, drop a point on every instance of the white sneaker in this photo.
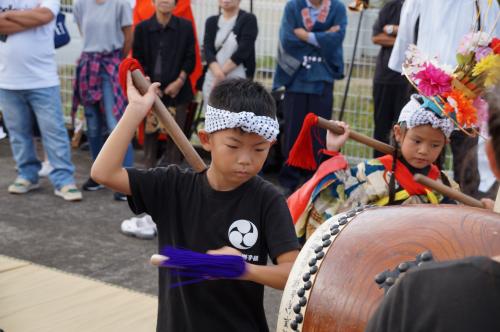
(46, 169)
(69, 192)
(22, 186)
(143, 228)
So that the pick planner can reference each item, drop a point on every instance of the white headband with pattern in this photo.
(217, 119)
(413, 114)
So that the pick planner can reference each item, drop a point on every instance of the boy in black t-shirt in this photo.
(226, 209)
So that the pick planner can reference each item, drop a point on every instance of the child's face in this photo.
(237, 156)
(420, 145)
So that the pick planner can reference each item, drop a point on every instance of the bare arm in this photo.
(8, 27)
(274, 276)
(228, 67)
(384, 39)
(32, 18)
(128, 34)
(107, 168)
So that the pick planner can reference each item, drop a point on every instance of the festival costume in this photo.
(342, 188)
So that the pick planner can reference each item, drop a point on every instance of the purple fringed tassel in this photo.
(200, 267)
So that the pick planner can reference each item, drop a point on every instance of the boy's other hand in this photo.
(488, 204)
(335, 142)
(141, 103)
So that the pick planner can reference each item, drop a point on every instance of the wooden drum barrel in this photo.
(341, 274)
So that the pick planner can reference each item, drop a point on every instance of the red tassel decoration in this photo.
(302, 155)
(128, 64)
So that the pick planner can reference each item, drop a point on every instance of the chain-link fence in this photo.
(359, 105)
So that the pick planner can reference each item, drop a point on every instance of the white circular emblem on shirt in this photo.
(243, 234)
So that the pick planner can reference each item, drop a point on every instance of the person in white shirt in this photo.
(442, 25)
(29, 87)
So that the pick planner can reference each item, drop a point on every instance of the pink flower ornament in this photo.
(432, 81)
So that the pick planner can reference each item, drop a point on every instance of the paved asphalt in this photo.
(82, 238)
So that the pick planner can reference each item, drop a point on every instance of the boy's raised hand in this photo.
(335, 142)
(141, 104)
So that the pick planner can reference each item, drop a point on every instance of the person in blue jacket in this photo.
(310, 58)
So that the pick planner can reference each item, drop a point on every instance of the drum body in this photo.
(332, 284)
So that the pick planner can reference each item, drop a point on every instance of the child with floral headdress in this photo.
(447, 100)
(419, 140)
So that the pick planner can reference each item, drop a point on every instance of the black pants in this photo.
(388, 100)
(465, 172)
(295, 108)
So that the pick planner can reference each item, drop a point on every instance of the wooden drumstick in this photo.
(447, 191)
(173, 129)
(158, 260)
(363, 139)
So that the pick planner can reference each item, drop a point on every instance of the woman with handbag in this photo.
(229, 45)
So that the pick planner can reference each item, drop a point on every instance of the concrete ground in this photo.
(82, 238)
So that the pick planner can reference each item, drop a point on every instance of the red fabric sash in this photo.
(298, 201)
(405, 177)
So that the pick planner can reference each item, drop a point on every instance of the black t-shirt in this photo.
(253, 218)
(389, 14)
(462, 295)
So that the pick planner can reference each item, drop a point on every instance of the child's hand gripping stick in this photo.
(363, 139)
(448, 192)
(175, 132)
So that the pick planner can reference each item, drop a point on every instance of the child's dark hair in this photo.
(243, 95)
(493, 99)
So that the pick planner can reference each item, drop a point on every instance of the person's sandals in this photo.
(69, 192)
(22, 186)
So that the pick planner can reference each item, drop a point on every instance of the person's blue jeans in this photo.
(19, 108)
(95, 119)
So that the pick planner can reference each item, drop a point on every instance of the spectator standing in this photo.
(165, 46)
(106, 27)
(310, 58)
(391, 90)
(229, 45)
(29, 89)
